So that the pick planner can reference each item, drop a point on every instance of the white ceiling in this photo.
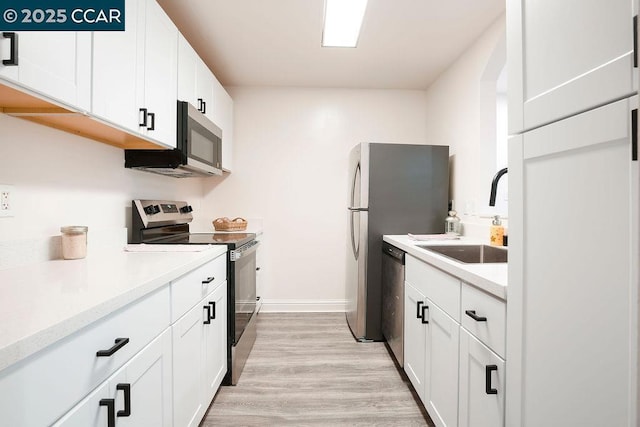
(404, 44)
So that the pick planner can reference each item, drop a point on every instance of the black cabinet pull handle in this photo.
(487, 386)
(152, 126)
(474, 316)
(126, 388)
(208, 280)
(13, 51)
(144, 118)
(213, 310)
(424, 315)
(200, 104)
(208, 320)
(419, 311)
(120, 342)
(111, 411)
(257, 268)
(204, 107)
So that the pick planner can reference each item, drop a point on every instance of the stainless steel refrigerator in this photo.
(394, 189)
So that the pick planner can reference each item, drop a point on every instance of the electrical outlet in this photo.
(7, 194)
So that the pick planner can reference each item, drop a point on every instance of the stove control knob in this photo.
(152, 209)
(186, 209)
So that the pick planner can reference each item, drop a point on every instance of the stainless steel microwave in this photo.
(198, 151)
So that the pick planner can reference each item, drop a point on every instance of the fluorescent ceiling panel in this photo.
(342, 22)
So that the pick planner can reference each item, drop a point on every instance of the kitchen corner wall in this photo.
(62, 179)
(291, 153)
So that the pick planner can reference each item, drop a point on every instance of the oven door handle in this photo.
(244, 250)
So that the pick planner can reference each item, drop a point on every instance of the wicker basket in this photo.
(226, 224)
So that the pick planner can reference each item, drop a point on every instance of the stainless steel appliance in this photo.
(393, 299)
(394, 189)
(198, 151)
(167, 222)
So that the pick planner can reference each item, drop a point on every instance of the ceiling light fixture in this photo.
(342, 22)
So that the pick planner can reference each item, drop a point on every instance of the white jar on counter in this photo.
(74, 241)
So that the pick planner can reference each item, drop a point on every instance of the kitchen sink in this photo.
(470, 254)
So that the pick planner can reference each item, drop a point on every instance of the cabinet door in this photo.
(187, 62)
(138, 395)
(482, 380)
(215, 343)
(204, 88)
(188, 365)
(146, 379)
(160, 74)
(566, 57)
(441, 378)
(54, 64)
(222, 116)
(573, 272)
(415, 332)
(116, 69)
(92, 411)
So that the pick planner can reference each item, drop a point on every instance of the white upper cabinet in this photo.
(198, 86)
(135, 73)
(556, 68)
(187, 64)
(57, 66)
(195, 80)
(160, 76)
(115, 71)
(224, 119)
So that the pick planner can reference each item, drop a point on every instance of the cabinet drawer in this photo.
(491, 331)
(38, 390)
(195, 285)
(438, 286)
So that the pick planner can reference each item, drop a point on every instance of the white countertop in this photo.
(45, 302)
(490, 277)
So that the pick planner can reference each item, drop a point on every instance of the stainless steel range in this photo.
(167, 222)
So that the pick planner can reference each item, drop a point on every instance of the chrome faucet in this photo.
(494, 186)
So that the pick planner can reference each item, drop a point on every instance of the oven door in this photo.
(199, 139)
(243, 261)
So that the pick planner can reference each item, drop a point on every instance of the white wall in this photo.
(458, 115)
(62, 179)
(290, 169)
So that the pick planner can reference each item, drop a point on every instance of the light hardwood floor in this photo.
(306, 369)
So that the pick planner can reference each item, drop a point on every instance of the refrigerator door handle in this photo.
(358, 209)
(353, 239)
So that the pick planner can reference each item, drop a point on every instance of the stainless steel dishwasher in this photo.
(393, 299)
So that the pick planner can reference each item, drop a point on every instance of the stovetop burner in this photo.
(233, 240)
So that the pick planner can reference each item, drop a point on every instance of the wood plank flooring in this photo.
(306, 369)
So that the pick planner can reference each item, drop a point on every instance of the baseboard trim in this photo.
(302, 306)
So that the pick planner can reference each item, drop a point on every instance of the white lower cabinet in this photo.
(215, 343)
(139, 394)
(199, 357)
(415, 338)
(441, 382)
(482, 379)
(188, 363)
(135, 367)
(199, 302)
(444, 362)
